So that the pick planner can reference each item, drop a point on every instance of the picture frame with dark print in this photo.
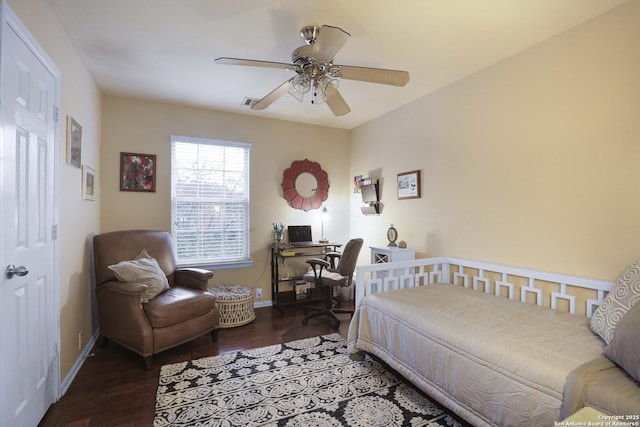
(137, 172)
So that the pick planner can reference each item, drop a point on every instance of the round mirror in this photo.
(305, 185)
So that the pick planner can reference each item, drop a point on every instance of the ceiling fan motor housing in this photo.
(302, 55)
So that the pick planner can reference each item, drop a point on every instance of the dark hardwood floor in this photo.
(113, 389)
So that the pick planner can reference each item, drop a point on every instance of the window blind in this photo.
(209, 200)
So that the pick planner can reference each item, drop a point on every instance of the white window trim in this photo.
(233, 264)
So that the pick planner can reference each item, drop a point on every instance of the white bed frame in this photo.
(548, 289)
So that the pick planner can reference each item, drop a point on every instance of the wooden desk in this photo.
(280, 253)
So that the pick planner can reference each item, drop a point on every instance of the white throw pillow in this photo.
(625, 295)
(144, 269)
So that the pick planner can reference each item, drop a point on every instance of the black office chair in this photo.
(328, 275)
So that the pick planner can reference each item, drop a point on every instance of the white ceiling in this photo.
(165, 49)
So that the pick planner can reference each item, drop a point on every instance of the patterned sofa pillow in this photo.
(625, 295)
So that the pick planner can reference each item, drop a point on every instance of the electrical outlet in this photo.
(80, 340)
(259, 293)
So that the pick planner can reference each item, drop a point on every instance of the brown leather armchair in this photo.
(179, 314)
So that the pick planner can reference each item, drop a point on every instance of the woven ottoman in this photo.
(235, 303)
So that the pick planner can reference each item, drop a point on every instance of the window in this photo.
(209, 201)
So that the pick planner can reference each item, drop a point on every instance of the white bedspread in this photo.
(491, 360)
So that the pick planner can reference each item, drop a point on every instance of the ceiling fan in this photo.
(316, 72)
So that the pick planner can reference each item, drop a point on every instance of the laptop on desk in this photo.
(300, 235)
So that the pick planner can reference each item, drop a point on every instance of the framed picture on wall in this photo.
(74, 142)
(137, 172)
(357, 183)
(409, 185)
(88, 183)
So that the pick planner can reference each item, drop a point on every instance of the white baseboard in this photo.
(261, 304)
(78, 364)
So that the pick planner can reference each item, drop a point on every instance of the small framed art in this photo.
(409, 185)
(357, 183)
(137, 172)
(88, 183)
(74, 142)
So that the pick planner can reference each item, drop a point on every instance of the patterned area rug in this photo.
(309, 382)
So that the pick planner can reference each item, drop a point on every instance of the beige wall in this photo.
(532, 162)
(144, 127)
(77, 218)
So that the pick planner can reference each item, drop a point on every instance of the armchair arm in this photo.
(123, 288)
(190, 277)
(122, 316)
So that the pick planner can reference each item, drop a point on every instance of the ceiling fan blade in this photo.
(374, 75)
(256, 63)
(329, 41)
(336, 102)
(273, 96)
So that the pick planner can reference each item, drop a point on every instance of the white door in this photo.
(28, 319)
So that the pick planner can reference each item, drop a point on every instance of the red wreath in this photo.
(289, 185)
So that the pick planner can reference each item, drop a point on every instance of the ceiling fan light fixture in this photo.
(320, 92)
(299, 96)
(325, 83)
(301, 83)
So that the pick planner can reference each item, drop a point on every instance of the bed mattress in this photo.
(491, 360)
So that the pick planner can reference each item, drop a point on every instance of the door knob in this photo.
(12, 270)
